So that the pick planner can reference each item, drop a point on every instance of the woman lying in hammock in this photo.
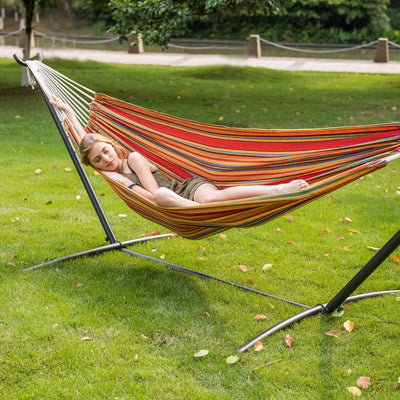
(143, 177)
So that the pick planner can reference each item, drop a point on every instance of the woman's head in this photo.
(94, 147)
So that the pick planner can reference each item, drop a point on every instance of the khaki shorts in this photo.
(188, 187)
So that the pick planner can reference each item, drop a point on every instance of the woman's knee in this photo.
(162, 196)
(207, 195)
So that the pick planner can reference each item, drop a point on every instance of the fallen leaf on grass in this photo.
(337, 313)
(397, 384)
(332, 333)
(354, 390)
(232, 359)
(288, 341)
(266, 266)
(291, 242)
(68, 169)
(352, 230)
(260, 316)
(289, 218)
(243, 267)
(364, 382)
(373, 248)
(201, 353)
(206, 313)
(201, 248)
(258, 346)
(346, 248)
(346, 219)
(348, 325)
(395, 258)
(223, 237)
(38, 171)
(86, 339)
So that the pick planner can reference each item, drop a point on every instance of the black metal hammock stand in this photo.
(383, 147)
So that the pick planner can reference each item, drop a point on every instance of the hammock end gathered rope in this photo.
(327, 158)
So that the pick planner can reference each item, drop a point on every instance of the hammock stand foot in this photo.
(342, 297)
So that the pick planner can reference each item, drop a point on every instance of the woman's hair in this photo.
(88, 142)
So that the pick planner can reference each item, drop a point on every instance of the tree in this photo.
(159, 20)
(29, 11)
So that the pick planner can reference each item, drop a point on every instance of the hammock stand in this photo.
(342, 297)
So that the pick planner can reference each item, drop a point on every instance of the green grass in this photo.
(146, 322)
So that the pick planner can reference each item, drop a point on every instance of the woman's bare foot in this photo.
(298, 185)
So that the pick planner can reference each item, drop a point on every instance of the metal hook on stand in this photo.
(23, 63)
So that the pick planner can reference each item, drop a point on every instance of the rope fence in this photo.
(252, 47)
(358, 47)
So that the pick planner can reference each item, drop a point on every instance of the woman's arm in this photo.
(56, 102)
(127, 182)
(144, 171)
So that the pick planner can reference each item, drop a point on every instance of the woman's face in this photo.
(104, 157)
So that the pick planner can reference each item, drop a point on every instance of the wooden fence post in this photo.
(254, 46)
(135, 43)
(382, 51)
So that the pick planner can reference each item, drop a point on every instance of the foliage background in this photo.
(294, 21)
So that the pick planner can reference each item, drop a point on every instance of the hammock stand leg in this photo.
(340, 298)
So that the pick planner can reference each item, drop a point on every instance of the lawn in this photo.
(117, 327)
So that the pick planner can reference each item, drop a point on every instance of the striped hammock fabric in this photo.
(326, 158)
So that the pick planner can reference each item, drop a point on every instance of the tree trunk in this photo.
(29, 9)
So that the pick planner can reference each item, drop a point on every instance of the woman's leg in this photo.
(209, 193)
(167, 198)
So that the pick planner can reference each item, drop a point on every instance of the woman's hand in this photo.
(56, 102)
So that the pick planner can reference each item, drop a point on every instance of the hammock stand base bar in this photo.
(121, 246)
(342, 297)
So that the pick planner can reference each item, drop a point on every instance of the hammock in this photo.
(326, 158)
